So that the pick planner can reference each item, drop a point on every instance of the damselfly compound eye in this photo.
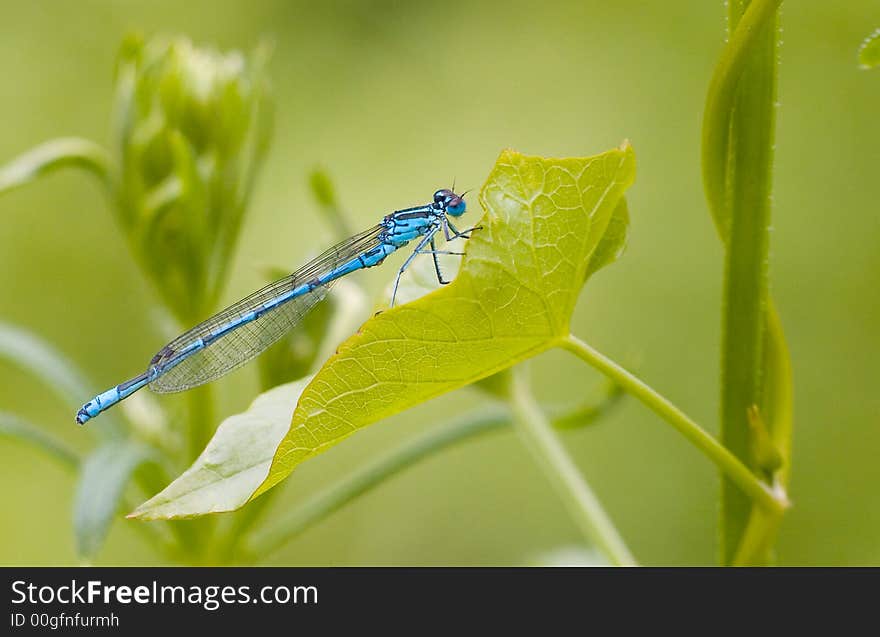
(455, 206)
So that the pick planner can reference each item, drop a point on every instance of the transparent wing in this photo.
(245, 341)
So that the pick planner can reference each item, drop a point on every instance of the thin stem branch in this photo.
(580, 500)
(326, 502)
(729, 464)
(362, 480)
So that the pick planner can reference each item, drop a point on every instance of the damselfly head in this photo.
(450, 202)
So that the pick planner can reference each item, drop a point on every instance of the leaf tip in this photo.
(137, 514)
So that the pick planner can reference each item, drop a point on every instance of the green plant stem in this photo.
(580, 500)
(195, 534)
(241, 523)
(362, 480)
(750, 162)
(201, 419)
(777, 407)
(738, 132)
(757, 537)
(359, 482)
(729, 464)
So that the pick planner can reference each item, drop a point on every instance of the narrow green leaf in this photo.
(325, 195)
(869, 52)
(104, 477)
(513, 298)
(234, 463)
(54, 155)
(15, 428)
(29, 352)
(777, 399)
(720, 100)
(32, 354)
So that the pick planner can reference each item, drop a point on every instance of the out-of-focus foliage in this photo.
(393, 118)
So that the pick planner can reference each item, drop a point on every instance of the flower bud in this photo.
(192, 128)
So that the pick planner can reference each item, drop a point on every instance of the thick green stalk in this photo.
(738, 132)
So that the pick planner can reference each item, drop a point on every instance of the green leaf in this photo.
(13, 427)
(512, 299)
(32, 354)
(54, 155)
(869, 52)
(234, 463)
(105, 474)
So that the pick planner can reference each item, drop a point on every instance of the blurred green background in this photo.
(396, 100)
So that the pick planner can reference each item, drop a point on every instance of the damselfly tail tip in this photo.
(82, 416)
